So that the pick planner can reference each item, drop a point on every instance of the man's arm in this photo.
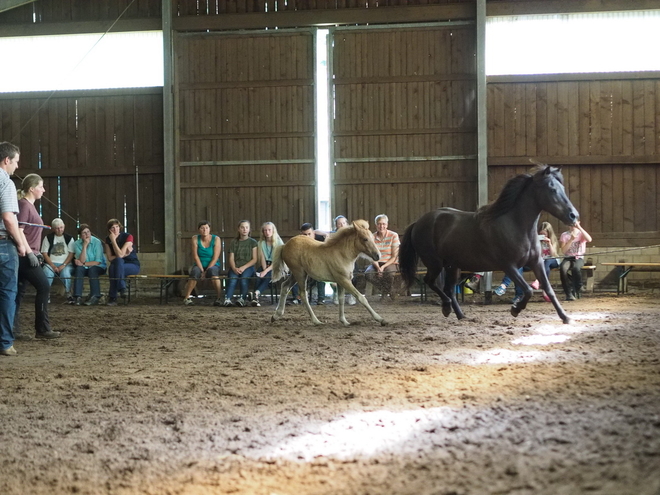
(11, 224)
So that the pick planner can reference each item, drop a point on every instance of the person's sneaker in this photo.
(320, 302)
(240, 302)
(111, 302)
(473, 283)
(188, 301)
(570, 297)
(546, 298)
(22, 336)
(500, 290)
(296, 301)
(351, 300)
(516, 300)
(227, 303)
(92, 301)
(217, 302)
(70, 300)
(48, 335)
(535, 285)
(255, 301)
(79, 301)
(10, 351)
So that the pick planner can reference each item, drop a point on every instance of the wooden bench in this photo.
(624, 268)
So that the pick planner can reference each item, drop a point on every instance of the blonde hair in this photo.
(30, 181)
(551, 235)
(276, 237)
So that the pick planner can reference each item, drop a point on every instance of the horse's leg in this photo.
(451, 277)
(286, 287)
(305, 300)
(345, 285)
(520, 283)
(431, 279)
(542, 277)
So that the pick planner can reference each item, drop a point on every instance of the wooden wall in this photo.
(605, 134)
(405, 121)
(99, 152)
(245, 131)
(51, 11)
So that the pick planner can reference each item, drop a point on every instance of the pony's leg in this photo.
(431, 279)
(520, 283)
(340, 292)
(451, 277)
(345, 285)
(286, 287)
(542, 277)
(305, 300)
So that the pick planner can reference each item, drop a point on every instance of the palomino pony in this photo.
(500, 236)
(329, 261)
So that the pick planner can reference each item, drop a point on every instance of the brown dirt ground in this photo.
(200, 400)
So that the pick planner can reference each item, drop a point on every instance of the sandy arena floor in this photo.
(170, 399)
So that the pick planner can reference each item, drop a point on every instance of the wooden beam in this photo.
(329, 17)
(567, 6)
(502, 161)
(55, 28)
(89, 172)
(12, 4)
(582, 76)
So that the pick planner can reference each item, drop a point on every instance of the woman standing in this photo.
(29, 267)
(242, 257)
(89, 262)
(267, 242)
(122, 257)
(206, 255)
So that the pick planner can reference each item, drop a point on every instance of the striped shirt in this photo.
(8, 199)
(386, 245)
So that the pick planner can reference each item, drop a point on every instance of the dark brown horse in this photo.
(500, 236)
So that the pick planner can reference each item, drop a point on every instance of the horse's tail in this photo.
(279, 267)
(408, 257)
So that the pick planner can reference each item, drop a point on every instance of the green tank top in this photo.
(206, 253)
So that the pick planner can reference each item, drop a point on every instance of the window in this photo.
(573, 43)
(84, 61)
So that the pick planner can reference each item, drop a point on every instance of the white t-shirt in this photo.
(60, 249)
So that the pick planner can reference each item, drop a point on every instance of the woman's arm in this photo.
(195, 254)
(252, 262)
(217, 249)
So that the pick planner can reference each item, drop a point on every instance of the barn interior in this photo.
(296, 111)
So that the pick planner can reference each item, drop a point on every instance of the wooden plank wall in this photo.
(49, 11)
(605, 134)
(404, 92)
(88, 147)
(246, 132)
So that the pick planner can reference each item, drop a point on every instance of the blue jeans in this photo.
(118, 271)
(65, 275)
(93, 272)
(263, 282)
(549, 264)
(233, 280)
(8, 291)
(506, 281)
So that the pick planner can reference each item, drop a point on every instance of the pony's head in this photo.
(548, 183)
(364, 239)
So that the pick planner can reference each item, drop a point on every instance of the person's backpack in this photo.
(51, 239)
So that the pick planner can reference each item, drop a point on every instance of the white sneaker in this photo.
(351, 300)
(240, 302)
(227, 303)
(188, 301)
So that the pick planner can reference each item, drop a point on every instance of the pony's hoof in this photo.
(446, 311)
(273, 319)
(383, 323)
(567, 321)
(514, 311)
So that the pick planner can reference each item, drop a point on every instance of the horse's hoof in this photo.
(567, 321)
(446, 311)
(273, 319)
(515, 312)
(383, 323)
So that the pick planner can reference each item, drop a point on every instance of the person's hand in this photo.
(21, 250)
(78, 263)
(239, 270)
(112, 236)
(32, 258)
(86, 240)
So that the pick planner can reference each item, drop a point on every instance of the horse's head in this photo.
(551, 195)
(364, 239)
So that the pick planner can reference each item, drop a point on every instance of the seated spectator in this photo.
(382, 273)
(241, 258)
(122, 256)
(573, 245)
(268, 241)
(89, 262)
(206, 256)
(57, 250)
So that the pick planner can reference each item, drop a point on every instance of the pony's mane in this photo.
(511, 192)
(346, 232)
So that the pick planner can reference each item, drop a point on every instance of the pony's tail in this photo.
(408, 258)
(279, 267)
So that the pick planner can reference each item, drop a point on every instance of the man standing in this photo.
(10, 250)
(58, 249)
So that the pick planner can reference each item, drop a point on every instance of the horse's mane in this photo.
(344, 232)
(512, 190)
